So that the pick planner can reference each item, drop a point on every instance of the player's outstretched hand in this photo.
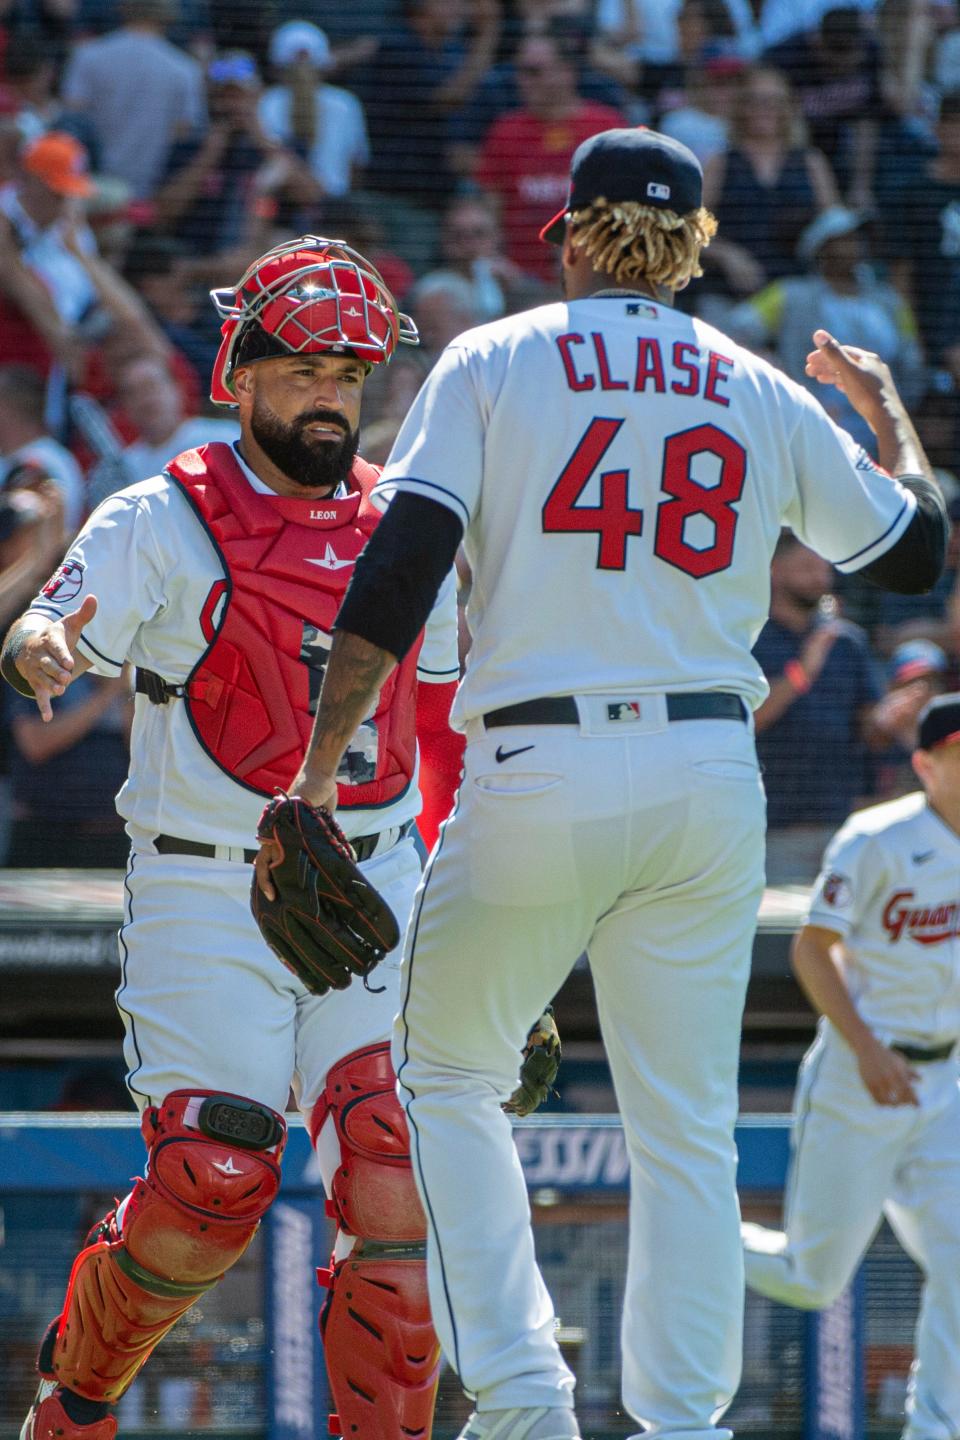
(888, 1076)
(47, 658)
(862, 376)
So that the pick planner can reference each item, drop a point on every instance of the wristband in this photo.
(796, 677)
(8, 664)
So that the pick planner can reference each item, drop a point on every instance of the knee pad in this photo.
(213, 1171)
(374, 1195)
(383, 1359)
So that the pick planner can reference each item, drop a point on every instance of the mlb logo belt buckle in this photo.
(624, 710)
(622, 714)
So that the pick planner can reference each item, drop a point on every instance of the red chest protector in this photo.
(252, 694)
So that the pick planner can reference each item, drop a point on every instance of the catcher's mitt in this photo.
(327, 922)
(538, 1068)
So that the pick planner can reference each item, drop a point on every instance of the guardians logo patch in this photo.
(836, 890)
(66, 583)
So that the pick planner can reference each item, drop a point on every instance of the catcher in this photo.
(220, 580)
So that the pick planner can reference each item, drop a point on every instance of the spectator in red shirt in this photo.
(525, 157)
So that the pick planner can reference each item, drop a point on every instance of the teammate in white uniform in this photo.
(619, 474)
(877, 1108)
(219, 580)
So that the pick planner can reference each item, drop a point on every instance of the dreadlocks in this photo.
(640, 242)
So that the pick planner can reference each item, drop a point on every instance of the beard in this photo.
(314, 464)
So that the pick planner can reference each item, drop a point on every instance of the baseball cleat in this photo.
(540, 1423)
(47, 1419)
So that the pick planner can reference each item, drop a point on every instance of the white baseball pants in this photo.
(207, 1005)
(854, 1161)
(644, 847)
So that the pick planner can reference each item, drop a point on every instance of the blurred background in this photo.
(149, 150)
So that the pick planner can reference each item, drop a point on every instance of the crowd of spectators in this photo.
(150, 148)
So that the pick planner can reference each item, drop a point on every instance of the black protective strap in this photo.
(243, 1123)
(157, 690)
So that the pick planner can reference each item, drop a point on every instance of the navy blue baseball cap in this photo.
(640, 165)
(939, 722)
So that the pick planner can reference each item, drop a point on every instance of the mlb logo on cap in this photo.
(625, 165)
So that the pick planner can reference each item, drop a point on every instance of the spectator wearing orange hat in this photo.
(60, 163)
(63, 308)
(44, 289)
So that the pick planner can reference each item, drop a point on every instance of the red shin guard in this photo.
(382, 1355)
(214, 1169)
(383, 1359)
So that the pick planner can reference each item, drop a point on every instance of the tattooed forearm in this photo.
(353, 679)
(12, 647)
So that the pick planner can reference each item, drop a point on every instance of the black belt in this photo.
(173, 845)
(919, 1055)
(363, 846)
(562, 709)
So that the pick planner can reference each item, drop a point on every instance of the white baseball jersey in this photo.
(148, 560)
(889, 887)
(643, 448)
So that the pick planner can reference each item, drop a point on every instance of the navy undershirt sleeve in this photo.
(399, 573)
(913, 565)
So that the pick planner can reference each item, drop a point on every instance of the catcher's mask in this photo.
(309, 296)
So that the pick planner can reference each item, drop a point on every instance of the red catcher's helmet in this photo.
(306, 297)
